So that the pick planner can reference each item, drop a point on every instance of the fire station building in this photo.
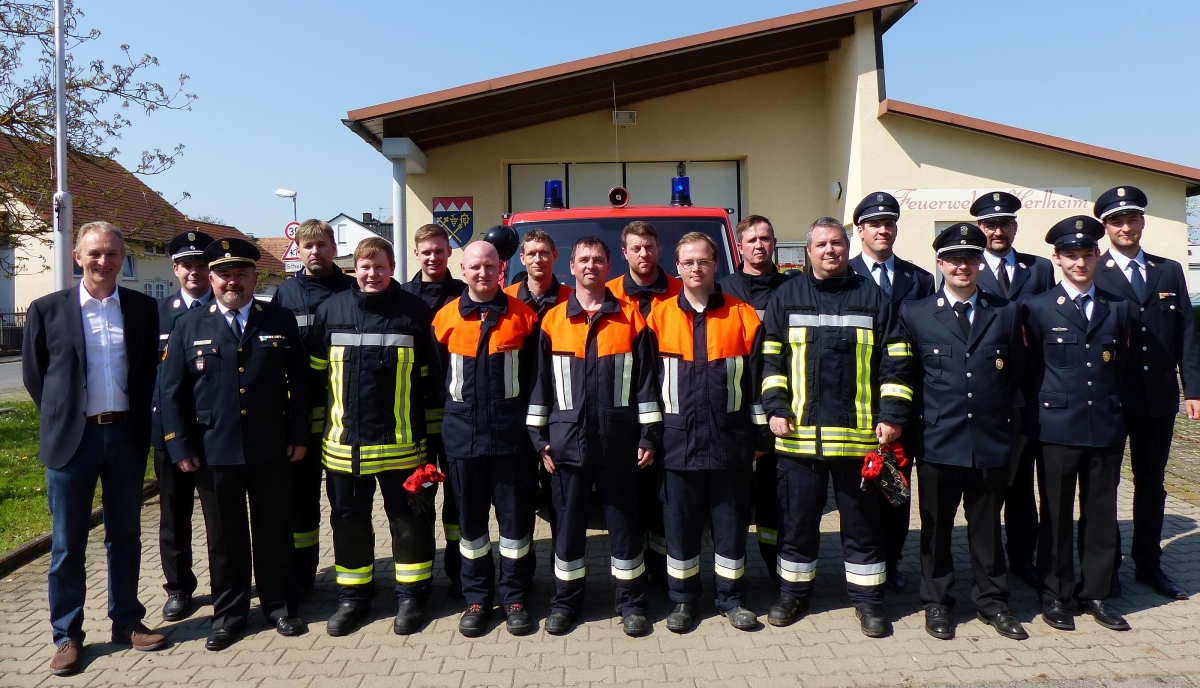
(786, 117)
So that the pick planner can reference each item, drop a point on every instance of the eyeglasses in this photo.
(697, 264)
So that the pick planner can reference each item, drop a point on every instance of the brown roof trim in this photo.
(1189, 174)
(645, 51)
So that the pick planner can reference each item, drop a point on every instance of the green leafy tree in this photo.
(98, 93)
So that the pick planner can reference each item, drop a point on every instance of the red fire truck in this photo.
(671, 222)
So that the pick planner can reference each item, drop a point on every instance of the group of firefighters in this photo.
(686, 406)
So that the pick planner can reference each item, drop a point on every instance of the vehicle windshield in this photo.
(608, 230)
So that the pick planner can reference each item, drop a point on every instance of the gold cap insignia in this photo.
(191, 236)
(225, 245)
(996, 197)
(999, 364)
(1121, 193)
(1062, 300)
(1078, 225)
(1107, 356)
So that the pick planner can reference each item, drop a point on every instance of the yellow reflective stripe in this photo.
(769, 536)
(452, 532)
(372, 459)
(772, 348)
(337, 402)
(728, 568)
(899, 349)
(797, 337)
(359, 576)
(896, 390)
(318, 426)
(317, 363)
(796, 571)
(309, 539)
(866, 574)
(734, 366)
(862, 395)
(404, 368)
(790, 446)
(833, 434)
(412, 573)
(772, 381)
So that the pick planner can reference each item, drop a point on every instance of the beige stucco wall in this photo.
(797, 132)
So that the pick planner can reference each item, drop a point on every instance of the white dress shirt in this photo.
(1008, 261)
(104, 344)
(889, 265)
(1072, 293)
(1128, 265)
(970, 311)
(188, 300)
(242, 314)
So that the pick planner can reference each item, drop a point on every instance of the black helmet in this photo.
(505, 240)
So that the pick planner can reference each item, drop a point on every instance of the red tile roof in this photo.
(269, 263)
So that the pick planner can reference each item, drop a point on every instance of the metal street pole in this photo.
(63, 228)
(294, 216)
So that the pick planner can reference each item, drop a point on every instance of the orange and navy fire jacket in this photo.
(708, 373)
(556, 294)
(487, 350)
(594, 401)
(644, 298)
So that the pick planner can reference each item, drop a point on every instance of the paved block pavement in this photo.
(823, 649)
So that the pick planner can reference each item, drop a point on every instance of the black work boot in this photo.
(347, 616)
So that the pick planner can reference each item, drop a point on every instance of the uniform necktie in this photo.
(195, 304)
(1081, 302)
(1002, 278)
(236, 326)
(1136, 281)
(885, 283)
(964, 322)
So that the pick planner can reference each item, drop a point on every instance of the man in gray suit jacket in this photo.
(89, 364)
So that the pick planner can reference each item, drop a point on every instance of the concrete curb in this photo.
(21, 555)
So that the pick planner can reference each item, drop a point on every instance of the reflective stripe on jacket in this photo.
(377, 351)
(834, 362)
(487, 351)
(708, 373)
(595, 385)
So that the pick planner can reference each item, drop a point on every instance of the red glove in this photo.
(423, 477)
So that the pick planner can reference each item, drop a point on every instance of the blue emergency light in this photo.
(681, 191)
(554, 194)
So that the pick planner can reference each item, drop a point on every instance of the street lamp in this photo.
(284, 193)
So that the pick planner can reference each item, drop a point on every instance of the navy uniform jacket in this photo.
(235, 403)
(54, 369)
(909, 282)
(1163, 337)
(170, 309)
(1033, 275)
(1075, 368)
(755, 290)
(967, 385)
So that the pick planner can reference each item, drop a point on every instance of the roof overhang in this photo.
(1190, 175)
(543, 95)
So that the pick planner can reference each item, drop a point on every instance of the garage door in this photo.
(714, 183)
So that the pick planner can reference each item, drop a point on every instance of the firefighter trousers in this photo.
(687, 498)
(654, 541)
(803, 488)
(766, 510)
(350, 501)
(451, 562)
(617, 488)
(306, 513)
(506, 482)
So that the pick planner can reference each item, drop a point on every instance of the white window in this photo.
(129, 269)
(156, 289)
(148, 289)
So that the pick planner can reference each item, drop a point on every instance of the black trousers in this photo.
(306, 512)
(1095, 471)
(1149, 449)
(687, 498)
(981, 490)
(224, 492)
(896, 522)
(351, 499)
(1020, 509)
(176, 501)
(506, 482)
(803, 488)
(617, 488)
(766, 509)
(451, 561)
(654, 541)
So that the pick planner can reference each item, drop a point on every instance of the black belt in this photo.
(106, 418)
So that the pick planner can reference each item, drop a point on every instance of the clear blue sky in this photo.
(275, 78)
